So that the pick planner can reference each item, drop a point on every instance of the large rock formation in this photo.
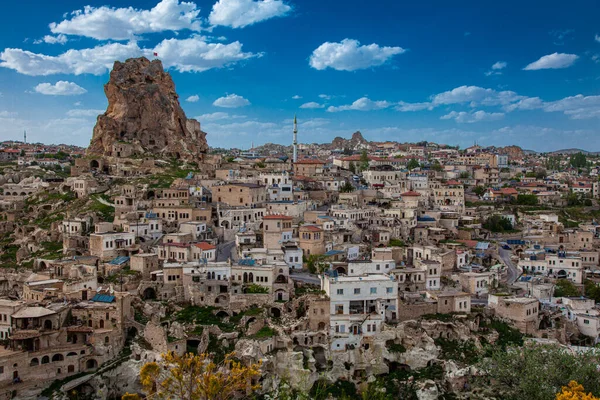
(144, 115)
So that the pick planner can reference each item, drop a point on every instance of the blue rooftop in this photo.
(334, 252)
(119, 260)
(426, 218)
(247, 261)
(103, 298)
(482, 245)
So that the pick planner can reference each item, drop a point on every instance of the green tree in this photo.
(436, 166)
(578, 160)
(352, 167)
(592, 290)
(347, 187)
(479, 190)
(535, 372)
(527, 200)
(498, 223)
(315, 263)
(464, 175)
(412, 164)
(364, 160)
(565, 288)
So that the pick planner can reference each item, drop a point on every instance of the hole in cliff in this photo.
(192, 345)
(396, 366)
(275, 312)
(320, 359)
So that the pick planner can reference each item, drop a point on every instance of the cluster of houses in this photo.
(382, 242)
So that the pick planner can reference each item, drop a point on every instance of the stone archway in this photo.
(149, 293)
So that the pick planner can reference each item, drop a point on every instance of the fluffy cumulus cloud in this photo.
(105, 23)
(60, 88)
(362, 104)
(194, 54)
(597, 38)
(325, 96)
(49, 39)
(296, 97)
(241, 13)
(349, 55)
(193, 99)
(231, 101)
(312, 104)
(471, 117)
(81, 113)
(553, 61)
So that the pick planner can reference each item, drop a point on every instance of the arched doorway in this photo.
(149, 294)
(94, 164)
(275, 312)
(91, 364)
(57, 357)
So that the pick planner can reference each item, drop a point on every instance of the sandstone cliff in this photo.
(144, 116)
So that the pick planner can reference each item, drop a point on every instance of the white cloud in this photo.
(597, 38)
(325, 96)
(49, 39)
(296, 97)
(499, 65)
(362, 104)
(349, 55)
(84, 113)
(105, 23)
(496, 68)
(529, 103)
(241, 13)
(405, 107)
(187, 55)
(196, 55)
(60, 88)
(553, 61)
(193, 99)
(217, 116)
(312, 104)
(231, 101)
(576, 107)
(476, 96)
(477, 116)
(7, 114)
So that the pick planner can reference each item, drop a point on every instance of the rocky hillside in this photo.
(354, 142)
(144, 111)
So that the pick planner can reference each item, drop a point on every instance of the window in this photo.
(389, 290)
(357, 291)
(586, 321)
(340, 291)
(373, 290)
(339, 308)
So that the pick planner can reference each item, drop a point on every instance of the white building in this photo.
(358, 306)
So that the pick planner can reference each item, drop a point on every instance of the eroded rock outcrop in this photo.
(144, 116)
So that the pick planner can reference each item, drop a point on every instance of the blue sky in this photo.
(509, 72)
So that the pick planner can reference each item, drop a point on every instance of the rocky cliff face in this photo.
(352, 143)
(144, 115)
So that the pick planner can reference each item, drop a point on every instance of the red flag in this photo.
(155, 54)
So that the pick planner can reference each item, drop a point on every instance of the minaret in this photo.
(295, 143)
(24, 136)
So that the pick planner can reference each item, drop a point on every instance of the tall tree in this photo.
(364, 160)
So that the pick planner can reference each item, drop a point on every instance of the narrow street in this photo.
(513, 272)
(226, 250)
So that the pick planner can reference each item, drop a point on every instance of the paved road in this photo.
(513, 272)
(226, 250)
(305, 277)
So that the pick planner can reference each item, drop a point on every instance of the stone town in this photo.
(340, 261)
